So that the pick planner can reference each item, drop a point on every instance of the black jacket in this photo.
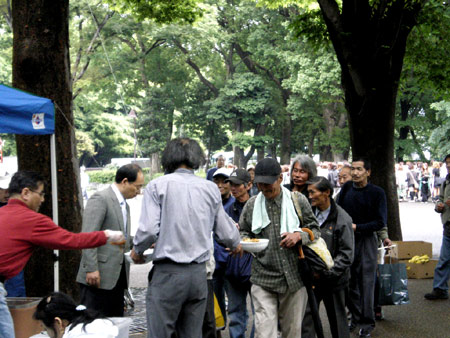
(338, 234)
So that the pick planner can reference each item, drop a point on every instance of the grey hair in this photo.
(307, 163)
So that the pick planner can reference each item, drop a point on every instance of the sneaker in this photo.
(437, 294)
(365, 333)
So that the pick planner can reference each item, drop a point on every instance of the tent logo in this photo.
(38, 121)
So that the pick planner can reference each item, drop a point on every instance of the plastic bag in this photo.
(393, 284)
(320, 248)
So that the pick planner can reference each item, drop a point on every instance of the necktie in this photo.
(124, 215)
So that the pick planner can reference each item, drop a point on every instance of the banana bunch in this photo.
(419, 259)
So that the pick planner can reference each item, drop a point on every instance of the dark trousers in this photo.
(110, 303)
(334, 302)
(176, 300)
(209, 322)
(362, 282)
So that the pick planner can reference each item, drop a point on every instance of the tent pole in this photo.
(54, 205)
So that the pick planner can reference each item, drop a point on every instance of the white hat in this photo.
(4, 182)
(223, 171)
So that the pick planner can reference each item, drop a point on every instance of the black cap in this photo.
(267, 171)
(239, 176)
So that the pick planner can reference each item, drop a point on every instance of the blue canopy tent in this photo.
(28, 114)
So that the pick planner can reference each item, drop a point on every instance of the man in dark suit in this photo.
(104, 273)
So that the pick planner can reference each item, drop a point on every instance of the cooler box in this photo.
(123, 323)
(22, 310)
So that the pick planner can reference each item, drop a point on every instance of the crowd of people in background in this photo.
(416, 181)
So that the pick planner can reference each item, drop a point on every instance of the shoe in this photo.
(365, 333)
(352, 326)
(379, 315)
(437, 294)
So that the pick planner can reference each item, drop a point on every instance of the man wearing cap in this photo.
(278, 293)
(219, 178)
(442, 270)
(237, 270)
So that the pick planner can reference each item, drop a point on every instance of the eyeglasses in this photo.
(42, 194)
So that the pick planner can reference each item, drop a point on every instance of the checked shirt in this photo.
(275, 268)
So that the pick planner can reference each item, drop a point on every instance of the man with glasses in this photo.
(104, 272)
(22, 229)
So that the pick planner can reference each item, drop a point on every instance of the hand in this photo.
(387, 242)
(238, 251)
(290, 239)
(448, 202)
(354, 226)
(93, 278)
(137, 259)
(440, 207)
(115, 237)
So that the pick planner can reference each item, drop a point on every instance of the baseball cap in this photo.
(267, 171)
(239, 176)
(223, 172)
(4, 182)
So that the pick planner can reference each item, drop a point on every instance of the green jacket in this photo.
(444, 195)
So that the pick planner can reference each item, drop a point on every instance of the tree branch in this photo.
(194, 66)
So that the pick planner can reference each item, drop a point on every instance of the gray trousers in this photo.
(176, 300)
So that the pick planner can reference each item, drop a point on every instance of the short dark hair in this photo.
(129, 171)
(58, 304)
(25, 179)
(181, 151)
(321, 183)
(365, 160)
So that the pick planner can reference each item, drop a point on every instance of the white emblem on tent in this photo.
(38, 121)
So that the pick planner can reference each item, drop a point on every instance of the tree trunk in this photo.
(286, 133)
(370, 45)
(155, 164)
(404, 131)
(41, 66)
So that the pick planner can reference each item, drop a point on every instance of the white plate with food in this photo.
(254, 244)
(148, 256)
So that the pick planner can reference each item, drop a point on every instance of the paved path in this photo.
(420, 318)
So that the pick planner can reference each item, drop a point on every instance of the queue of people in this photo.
(195, 227)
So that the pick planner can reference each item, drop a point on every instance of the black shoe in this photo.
(379, 315)
(437, 294)
(365, 333)
(352, 326)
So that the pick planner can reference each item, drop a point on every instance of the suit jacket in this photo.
(103, 212)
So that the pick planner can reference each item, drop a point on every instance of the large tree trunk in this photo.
(370, 45)
(41, 66)
(286, 136)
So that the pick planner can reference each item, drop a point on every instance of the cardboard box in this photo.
(421, 270)
(409, 249)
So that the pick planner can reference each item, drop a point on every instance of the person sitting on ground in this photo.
(62, 318)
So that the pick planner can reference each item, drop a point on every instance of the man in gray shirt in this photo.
(179, 212)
